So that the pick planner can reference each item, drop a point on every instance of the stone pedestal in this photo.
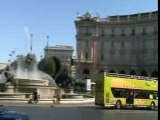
(45, 92)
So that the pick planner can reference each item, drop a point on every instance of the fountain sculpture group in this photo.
(21, 78)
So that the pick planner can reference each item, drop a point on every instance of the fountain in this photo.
(23, 77)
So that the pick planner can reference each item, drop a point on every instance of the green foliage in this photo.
(63, 79)
(57, 65)
(48, 65)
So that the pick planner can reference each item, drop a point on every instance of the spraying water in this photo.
(26, 66)
(28, 36)
(27, 69)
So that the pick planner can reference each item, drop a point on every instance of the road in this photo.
(82, 112)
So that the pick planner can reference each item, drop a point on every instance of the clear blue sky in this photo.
(55, 18)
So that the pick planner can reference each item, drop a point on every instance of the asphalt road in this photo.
(82, 112)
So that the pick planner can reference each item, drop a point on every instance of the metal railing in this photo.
(131, 76)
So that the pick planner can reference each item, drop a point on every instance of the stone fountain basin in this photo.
(27, 81)
(76, 96)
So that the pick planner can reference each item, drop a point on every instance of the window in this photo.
(133, 44)
(144, 31)
(144, 94)
(122, 32)
(150, 96)
(122, 44)
(155, 56)
(138, 94)
(155, 30)
(155, 43)
(86, 55)
(102, 44)
(133, 32)
(112, 44)
(155, 95)
(143, 44)
(102, 57)
(112, 32)
(102, 33)
(121, 93)
(87, 43)
(87, 31)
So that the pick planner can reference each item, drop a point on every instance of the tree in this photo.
(60, 73)
(63, 79)
(47, 65)
(57, 65)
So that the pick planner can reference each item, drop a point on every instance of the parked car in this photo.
(12, 115)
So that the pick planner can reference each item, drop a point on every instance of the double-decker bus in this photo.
(119, 90)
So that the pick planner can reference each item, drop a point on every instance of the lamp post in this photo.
(47, 41)
(31, 43)
(11, 55)
(47, 46)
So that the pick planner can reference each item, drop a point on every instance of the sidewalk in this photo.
(47, 102)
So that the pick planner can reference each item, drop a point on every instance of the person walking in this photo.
(58, 99)
(35, 96)
(54, 101)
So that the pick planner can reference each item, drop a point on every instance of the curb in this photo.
(46, 102)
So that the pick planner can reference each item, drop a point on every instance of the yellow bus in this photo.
(119, 90)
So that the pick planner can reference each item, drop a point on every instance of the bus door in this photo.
(129, 97)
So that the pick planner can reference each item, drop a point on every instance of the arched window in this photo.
(87, 31)
(132, 72)
(86, 56)
(112, 71)
(86, 73)
(143, 31)
(143, 73)
(122, 72)
(101, 70)
(133, 32)
(154, 74)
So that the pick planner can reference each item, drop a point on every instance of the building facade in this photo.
(126, 44)
(62, 52)
(3, 65)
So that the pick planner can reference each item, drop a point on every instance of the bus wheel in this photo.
(118, 104)
(152, 106)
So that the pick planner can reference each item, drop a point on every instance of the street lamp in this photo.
(47, 46)
(47, 41)
(31, 43)
(11, 55)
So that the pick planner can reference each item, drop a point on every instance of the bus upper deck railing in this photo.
(131, 76)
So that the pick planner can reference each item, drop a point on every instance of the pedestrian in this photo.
(35, 96)
(54, 101)
(58, 99)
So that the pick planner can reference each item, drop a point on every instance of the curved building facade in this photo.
(126, 44)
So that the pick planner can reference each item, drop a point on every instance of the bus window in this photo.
(135, 94)
(150, 96)
(141, 94)
(155, 95)
(118, 93)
